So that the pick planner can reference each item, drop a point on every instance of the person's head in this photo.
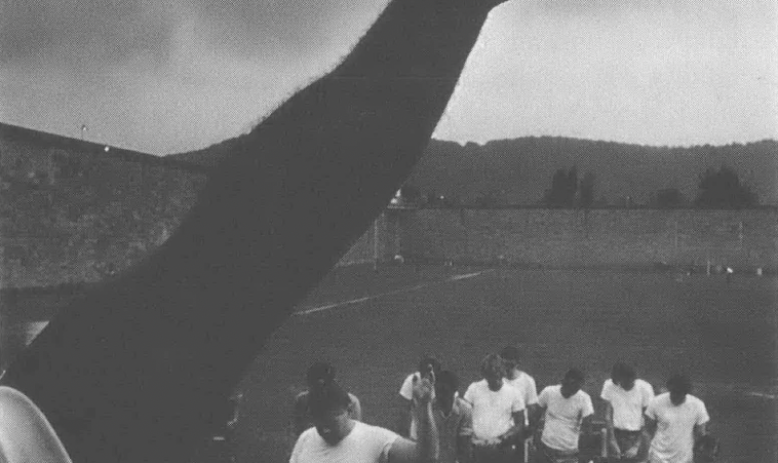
(319, 373)
(510, 357)
(572, 382)
(493, 371)
(427, 364)
(328, 404)
(679, 385)
(623, 375)
(446, 386)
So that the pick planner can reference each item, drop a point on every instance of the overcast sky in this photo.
(166, 76)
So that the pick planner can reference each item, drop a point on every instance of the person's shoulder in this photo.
(463, 405)
(607, 387)
(550, 389)
(308, 435)
(366, 431)
(583, 395)
(476, 385)
(695, 401)
(660, 399)
(462, 408)
(645, 385)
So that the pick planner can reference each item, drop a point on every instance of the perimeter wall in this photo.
(594, 238)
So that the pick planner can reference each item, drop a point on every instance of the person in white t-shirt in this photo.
(626, 399)
(318, 373)
(676, 419)
(527, 388)
(498, 414)
(428, 366)
(336, 438)
(567, 411)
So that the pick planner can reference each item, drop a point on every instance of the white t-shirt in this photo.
(674, 438)
(563, 417)
(364, 444)
(492, 410)
(525, 384)
(628, 405)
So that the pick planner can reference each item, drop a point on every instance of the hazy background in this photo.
(174, 75)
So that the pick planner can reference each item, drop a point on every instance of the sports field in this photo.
(723, 335)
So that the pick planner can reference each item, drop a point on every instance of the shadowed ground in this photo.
(724, 336)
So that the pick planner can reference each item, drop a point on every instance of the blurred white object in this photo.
(25, 434)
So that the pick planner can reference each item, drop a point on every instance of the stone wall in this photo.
(594, 238)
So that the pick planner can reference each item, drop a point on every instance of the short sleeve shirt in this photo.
(492, 410)
(364, 444)
(527, 388)
(628, 406)
(674, 438)
(458, 423)
(563, 417)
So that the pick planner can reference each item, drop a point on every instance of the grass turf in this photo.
(722, 335)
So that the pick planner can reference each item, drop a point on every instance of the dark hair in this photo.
(320, 373)
(679, 384)
(428, 361)
(511, 354)
(327, 398)
(448, 379)
(623, 372)
(492, 362)
(574, 374)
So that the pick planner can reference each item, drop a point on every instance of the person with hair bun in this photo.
(319, 375)
(675, 419)
(336, 438)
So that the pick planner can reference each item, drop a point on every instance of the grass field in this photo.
(723, 335)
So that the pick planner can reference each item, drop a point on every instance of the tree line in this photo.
(718, 188)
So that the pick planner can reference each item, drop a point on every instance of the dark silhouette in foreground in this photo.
(133, 370)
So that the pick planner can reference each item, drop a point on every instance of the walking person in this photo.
(453, 420)
(525, 384)
(319, 373)
(626, 397)
(498, 414)
(567, 411)
(676, 420)
(336, 438)
(428, 367)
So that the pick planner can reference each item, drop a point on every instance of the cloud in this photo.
(298, 27)
(80, 32)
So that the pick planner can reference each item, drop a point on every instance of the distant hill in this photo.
(519, 171)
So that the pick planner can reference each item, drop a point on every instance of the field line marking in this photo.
(390, 293)
(763, 396)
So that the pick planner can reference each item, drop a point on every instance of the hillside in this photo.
(519, 171)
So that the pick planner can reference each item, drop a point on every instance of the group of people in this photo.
(500, 418)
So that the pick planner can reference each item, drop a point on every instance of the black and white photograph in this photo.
(389, 231)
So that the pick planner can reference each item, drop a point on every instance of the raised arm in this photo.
(133, 370)
(426, 447)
